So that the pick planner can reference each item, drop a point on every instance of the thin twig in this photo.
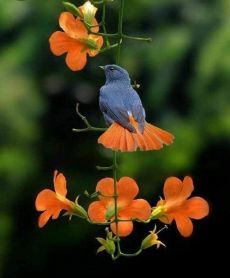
(104, 168)
(108, 47)
(89, 127)
(136, 38)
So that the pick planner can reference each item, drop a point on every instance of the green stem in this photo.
(98, 2)
(103, 22)
(104, 168)
(131, 254)
(89, 127)
(136, 38)
(121, 254)
(115, 189)
(115, 35)
(109, 47)
(120, 30)
(116, 220)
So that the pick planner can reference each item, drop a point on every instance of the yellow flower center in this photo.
(60, 197)
(110, 212)
(89, 43)
(173, 204)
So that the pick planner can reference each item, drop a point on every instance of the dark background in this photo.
(184, 77)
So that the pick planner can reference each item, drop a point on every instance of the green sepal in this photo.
(106, 244)
(100, 249)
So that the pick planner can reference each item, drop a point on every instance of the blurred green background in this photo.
(184, 76)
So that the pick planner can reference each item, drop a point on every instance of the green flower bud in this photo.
(72, 8)
(88, 11)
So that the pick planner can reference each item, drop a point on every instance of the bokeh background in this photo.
(184, 76)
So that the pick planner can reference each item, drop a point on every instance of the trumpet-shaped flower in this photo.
(127, 208)
(75, 41)
(176, 205)
(53, 202)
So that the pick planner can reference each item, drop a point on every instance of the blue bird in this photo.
(124, 113)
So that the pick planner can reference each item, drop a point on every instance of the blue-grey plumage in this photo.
(124, 113)
(118, 100)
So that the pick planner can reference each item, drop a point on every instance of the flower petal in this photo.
(187, 188)
(127, 188)
(60, 183)
(138, 209)
(73, 27)
(184, 225)
(43, 219)
(55, 213)
(81, 30)
(45, 199)
(95, 29)
(76, 58)
(105, 187)
(97, 212)
(172, 188)
(99, 41)
(196, 208)
(60, 43)
(124, 228)
(166, 218)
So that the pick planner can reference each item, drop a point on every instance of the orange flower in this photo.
(178, 207)
(128, 208)
(75, 41)
(51, 203)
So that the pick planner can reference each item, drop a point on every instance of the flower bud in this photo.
(72, 8)
(88, 12)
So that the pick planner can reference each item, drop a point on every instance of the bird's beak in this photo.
(102, 67)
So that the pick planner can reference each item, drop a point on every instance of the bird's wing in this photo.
(135, 106)
(115, 109)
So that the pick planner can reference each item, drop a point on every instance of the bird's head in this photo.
(114, 72)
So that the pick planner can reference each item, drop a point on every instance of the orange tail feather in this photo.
(118, 138)
(123, 145)
(130, 142)
(163, 136)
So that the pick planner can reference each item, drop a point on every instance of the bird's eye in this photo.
(111, 68)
